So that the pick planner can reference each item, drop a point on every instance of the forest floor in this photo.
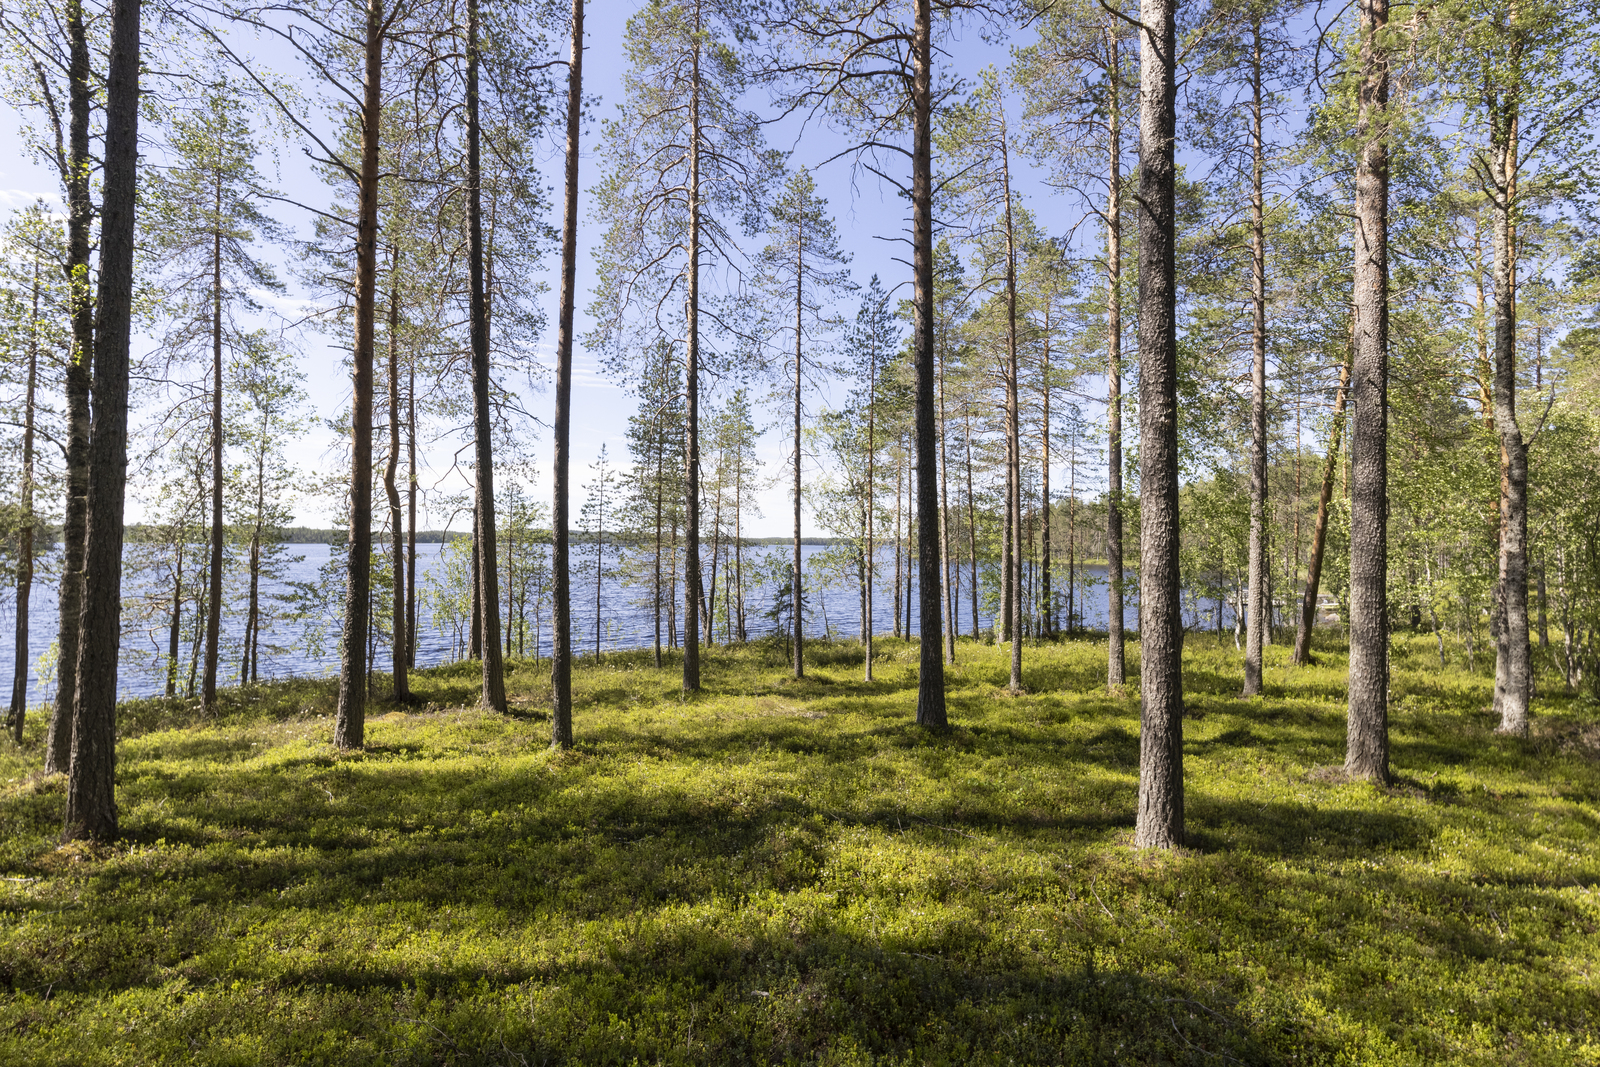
(792, 872)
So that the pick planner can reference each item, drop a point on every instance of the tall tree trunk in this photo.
(560, 513)
(1256, 609)
(475, 627)
(691, 386)
(1319, 535)
(91, 776)
(661, 455)
(175, 624)
(1013, 432)
(1514, 675)
(76, 169)
(1160, 819)
(930, 679)
(1116, 663)
(872, 500)
(1367, 746)
(799, 308)
(349, 730)
(411, 514)
(944, 529)
(899, 471)
(391, 485)
(208, 685)
(494, 681)
(20, 664)
(972, 518)
(1008, 587)
(1046, 612)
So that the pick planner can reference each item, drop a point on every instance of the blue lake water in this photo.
(625, 621)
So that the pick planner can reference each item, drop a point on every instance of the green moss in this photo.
(776, 871)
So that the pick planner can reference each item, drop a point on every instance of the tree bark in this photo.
(1160, 818)
(391, 470)
(75, 177)
(1116, 661)
(208, 684)
(560, 562)
(1013, 428)
(1514, 676)
(1319, 535)
(1046, 612)
(411, 514)
(1256, 607)
(930, 680)
(494, 682)
(20, 664)
(872, 459)
(1367, 745)
(349, 730)
(944, 529)
(91, 777)
(691, 387)
(799, 308)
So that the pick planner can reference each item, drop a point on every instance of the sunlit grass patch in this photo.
(782, 871)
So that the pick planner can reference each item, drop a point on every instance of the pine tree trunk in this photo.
(972, 520)
(349, 730)
(944, 530)
(1514, 676)
(208, 687)
(25, 524)
(175, 624)
(1116, 664)
(1367, 746)
(872, 459)
(1046, 606)
(391, 471)
(1160, 818)
(494, 682)
(411, 515)
(930, 679)
(1256, 609)
(799, 307)
(74, 530)
(91, 776)
(691, 384)
(1319, 535)
(560, 515)
(1013, 437)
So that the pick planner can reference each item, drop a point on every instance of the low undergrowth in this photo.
(782, 871)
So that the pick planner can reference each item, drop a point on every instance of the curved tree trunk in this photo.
(1319, 536)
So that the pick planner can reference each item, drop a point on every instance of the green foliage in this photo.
(790, 872)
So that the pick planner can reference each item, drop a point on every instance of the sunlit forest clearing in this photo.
(782, 871)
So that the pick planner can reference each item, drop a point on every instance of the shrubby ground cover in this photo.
(791, 872)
